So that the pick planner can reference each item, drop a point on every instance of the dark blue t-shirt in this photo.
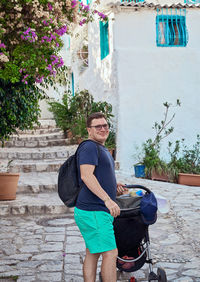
(104, 172)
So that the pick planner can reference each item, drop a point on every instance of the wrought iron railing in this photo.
(171, 28)
(134, 1)
(192, 1)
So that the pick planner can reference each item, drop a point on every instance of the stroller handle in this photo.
(138, 186)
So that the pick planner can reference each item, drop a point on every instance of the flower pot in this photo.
(159, 176)
(139, 170)
(112, 152)
(8, 186)
(189, 179)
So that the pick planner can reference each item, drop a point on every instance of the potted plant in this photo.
(186, 162)
(155, 167)
(111, 142)
(8, 182)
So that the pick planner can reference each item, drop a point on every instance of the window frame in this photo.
(104, 39)
(167, 28)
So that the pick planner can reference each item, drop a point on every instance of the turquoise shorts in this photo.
(96, 228)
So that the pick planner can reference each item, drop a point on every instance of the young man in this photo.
(95, 208)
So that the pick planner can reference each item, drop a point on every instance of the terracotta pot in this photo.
(112, 152)
(8, 186)
(189, 179)
(159, 176)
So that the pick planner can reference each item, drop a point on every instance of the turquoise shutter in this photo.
(104, 39)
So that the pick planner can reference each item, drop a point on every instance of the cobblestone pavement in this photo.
(50, 248)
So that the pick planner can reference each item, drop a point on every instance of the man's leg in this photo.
(90, 266)
(108, 267)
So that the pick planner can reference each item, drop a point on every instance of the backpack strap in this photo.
(98, 147)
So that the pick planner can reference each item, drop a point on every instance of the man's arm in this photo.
(90, 180)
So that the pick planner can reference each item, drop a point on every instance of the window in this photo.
(171, 31)
(104, 39)
(192, 1)
(134, 1)
(72, 83)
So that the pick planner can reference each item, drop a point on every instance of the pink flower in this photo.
(2, 45)
(45, 22)
(50, 7)
(73, 3)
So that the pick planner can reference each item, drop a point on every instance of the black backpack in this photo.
(68, 184)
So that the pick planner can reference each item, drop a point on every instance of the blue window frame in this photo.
(104, 39)
(192, 1)
(72, 79)
(134, 1)
(171, 31)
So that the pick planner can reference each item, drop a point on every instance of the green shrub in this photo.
(19, 107)
(72, 113)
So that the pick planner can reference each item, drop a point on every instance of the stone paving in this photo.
(49, 247)
(39, 240)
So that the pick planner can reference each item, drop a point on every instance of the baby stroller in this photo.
(132, 236)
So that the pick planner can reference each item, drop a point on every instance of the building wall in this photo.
(51, 92)
(100, 76)
(148, 76)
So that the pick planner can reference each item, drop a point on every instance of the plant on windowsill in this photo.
(155, 167)
(8, 182)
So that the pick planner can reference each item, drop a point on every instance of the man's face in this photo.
(99, 130)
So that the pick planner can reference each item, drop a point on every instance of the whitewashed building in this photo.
(148, 53)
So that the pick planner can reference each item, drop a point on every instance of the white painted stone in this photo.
(49, 276)
(26, 279)
(58, 246)
(184, 279)
(48, 256)
(61, 221)
(55, 238)
(29, 249)
(191, 272)
(52, 266)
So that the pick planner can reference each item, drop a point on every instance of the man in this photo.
(95, 208)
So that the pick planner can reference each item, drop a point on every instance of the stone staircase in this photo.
(36, 155)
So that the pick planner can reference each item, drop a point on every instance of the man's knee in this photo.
(110, 254)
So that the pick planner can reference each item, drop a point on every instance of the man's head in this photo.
(97, 127)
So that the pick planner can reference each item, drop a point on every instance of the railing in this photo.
(192, 1)
(171, 28)
(134, 1)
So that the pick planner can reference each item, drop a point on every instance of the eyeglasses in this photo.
(100, 126)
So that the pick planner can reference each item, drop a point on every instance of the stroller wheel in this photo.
(161, 275)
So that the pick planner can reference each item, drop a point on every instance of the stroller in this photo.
(132, 237)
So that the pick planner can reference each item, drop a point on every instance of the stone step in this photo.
(57, 152)
(36, 166)
(34, 204)
(37, 143)
(37, 182)
(36, 131)
(38, 137)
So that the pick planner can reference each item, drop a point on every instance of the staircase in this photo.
(37, 155)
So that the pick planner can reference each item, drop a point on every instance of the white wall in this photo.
(100, 76)
(149, 75)
(51, 93)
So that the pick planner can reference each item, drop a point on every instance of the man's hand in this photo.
(113, 207)
(121, 189)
